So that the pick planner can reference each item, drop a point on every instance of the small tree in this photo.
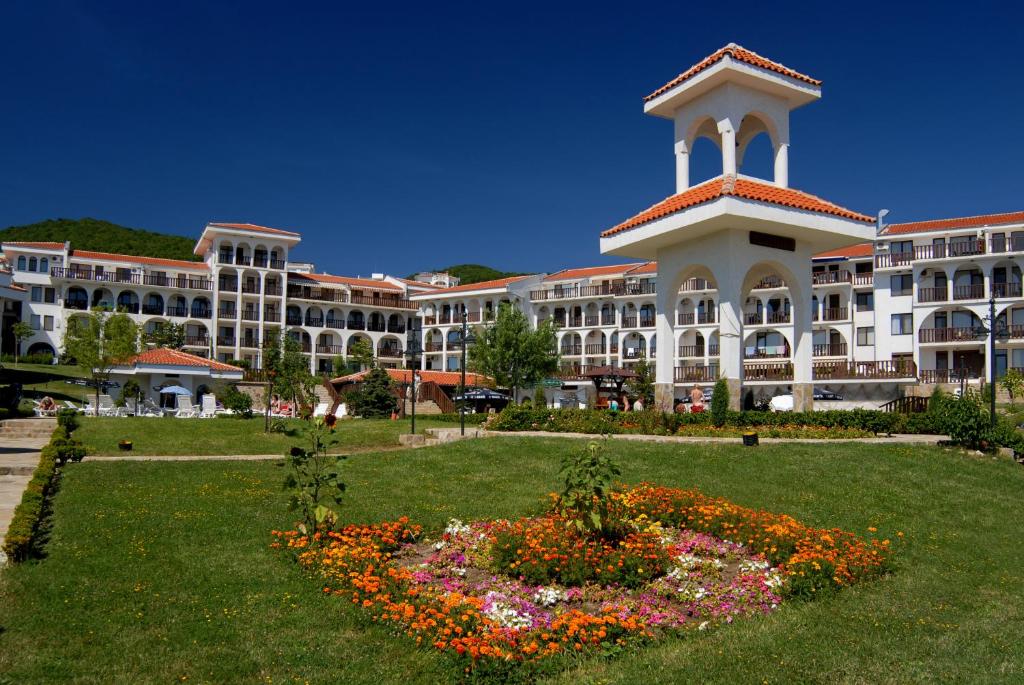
(512, 353)
(360, 355)
(376, 398)
(584, 501)
(539, 398)
(643, 384)
(288, 369)
(21, 331)
(169, 335)
(1013, 384)
(313, 480)
(719, 402)
(99, 342)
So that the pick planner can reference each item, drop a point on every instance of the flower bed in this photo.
(495, 592)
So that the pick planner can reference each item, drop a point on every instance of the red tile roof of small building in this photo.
(482, 285)
(134, 259)
(740, 54)
(405, 376)
(648, 268)
(255, 228)
(858, 250)
(41, 245)
(163, 356)
(955, 223)
(745, 188)
(348, 280)
(591, 271)
(417, 284)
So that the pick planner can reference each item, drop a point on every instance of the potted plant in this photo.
(125, 445)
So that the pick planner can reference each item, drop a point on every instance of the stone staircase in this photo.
(423, 408)
(323, 395)
(26, 429)
(440, 436)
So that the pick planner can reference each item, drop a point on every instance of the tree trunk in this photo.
(96, 409)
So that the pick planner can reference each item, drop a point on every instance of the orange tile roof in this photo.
(858, 250)
(745, 188)
(482, 285)
(739, 54)
(134, 259)
(255, 228)
(347, 280)
(591, 271)
(648, 268)
(405, 376)
(35, 244)
(415, 283)
(163, 356)
(955, 223)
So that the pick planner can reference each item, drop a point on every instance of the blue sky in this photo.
(399, 137)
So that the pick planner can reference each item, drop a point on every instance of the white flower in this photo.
(456, 527)
(703, 626)
(507, 617)
(548, 596)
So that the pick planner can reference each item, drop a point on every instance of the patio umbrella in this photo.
(175, 390)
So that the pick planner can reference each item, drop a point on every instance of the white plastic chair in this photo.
(186, 410)
(107, 407)
(151, 409)
(71, 405)
(209, 406)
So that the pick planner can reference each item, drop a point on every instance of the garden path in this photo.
(19, 455)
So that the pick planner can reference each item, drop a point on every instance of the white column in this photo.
(728, 147)
(664, 364)
(782, 165)
(730, 336)
(682, 167)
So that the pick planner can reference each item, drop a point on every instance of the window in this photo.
(32, 263)
(49, 295)
(37, 293)
(865, 302)
(902, 324)
(44, 265)
(21, 263)
(902, 246)
(35, 322)
(901, 285)
(866, 335)
(47, 323)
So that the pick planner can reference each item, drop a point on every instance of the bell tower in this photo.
(729, 97)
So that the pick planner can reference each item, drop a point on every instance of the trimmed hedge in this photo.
(658, 423)
(22, 536)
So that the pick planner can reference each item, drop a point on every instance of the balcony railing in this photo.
(226, 313)
(304, 292)
(249, 341)
(969, 292)
(197, 341)
(1006, 290)
(382, 301)
(778, 317)
(128, 307)
(356, 324)
(293, 320)
(880, 370)
(634, 352)
(591, 320)
(606, 290)
(276, 263)
(607, 319)
(696, 374)
(772, 352)
(376, 326)
(932, 294)
(768, 372)
(228, 284)
(334, 323)
(698, 318)
(330, 349)
(950, 375)
(647, 322)
(176, 311)
(389, 351)
(595, 348)
(829, 350)
(271, 314)
(153, 309)
(629, 321)
(752, 319)
(226, 340)
(243, 260)
(831, 277)
(250, 288)
(201, 313)
(571, 350)
(952, 249)
(695, 284)
(433, 347)
(182, 282)
(396, 327)
(864, 279)
(272, 290)
(835, 314)
(691, 350)
(315, 321)
(250, 315)
(769, 282)
(76, 304)
(948, 335)
(573, 321)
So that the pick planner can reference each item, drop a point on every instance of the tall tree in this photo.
(170, 335)
(99, 342)
(288, 368)
(21, 332)
(512, 353)
(643, 384)
(360, 355)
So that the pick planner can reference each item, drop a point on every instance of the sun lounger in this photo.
(186, 410)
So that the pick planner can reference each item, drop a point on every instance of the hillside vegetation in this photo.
(476, 273)
(104, 236)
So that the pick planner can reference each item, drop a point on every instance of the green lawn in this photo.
(230, 436)
(158, 572)
(38, 380)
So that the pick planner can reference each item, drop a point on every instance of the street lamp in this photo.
(413, 350)
(992, 328)
(465, 338)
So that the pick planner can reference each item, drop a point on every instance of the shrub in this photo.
(64, 447)
(964, 419)
(719, 402)
(1006, 434)
(375, 399)
(539, 398)
(584, 502)
(68, 420)
(237, 401)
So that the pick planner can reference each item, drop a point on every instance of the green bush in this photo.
(68, 420)
(237, 401)
(719, 402)
(22, 535)
(1006, 434)
(375, 398)
(964, 419)
(37, 358)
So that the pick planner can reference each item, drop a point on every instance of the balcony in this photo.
(573, 321)
(1004, 244)
(691, 350)
(252, 342)
(392, 301)
(271, 314)
(634, 352)
(226, 340)
(81, 305)
(829, 350)
(696, 374)
(176, 311)
(1006, 290)
(396, 328)
(389, 351)
(647, 322)
(228, 284)
(608, 319)
(629, 322)
(153, 309)
(356, 324)
(260, 260)
(376, 326)
(315, 321)
(952, 249)
(571, 350)
(768, 372)
(831, 277)
(835, 314)
(778, 317)
(772, 319)
(864, 279)
(932, 294)
(698, 318)
(225, 258)
(293, 321)
(433, 347)
(769, 283)
(880, 370)
(303, 292)
(591, 320)
(767, 352)
(949, 375)
(243, 260)
(250, 288)
(272, 290)
(226, 313)
(949, 335)
(330, 349)
(595, 348)
(128, 308)
(276, 263)
(182, 282)
(969, 292)
(693, 284)
(250, 315)
(334, 323)
(197, 341)
(201, 313)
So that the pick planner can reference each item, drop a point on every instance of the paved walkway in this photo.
(18, 460)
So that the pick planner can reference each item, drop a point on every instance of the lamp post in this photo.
(465, 338)
(413, 349)
(993, 330)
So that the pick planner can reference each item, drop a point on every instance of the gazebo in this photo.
(609, 380)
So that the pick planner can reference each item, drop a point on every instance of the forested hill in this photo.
(103, 236)
(475, 273)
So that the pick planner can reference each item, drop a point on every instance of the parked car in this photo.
(826, 395)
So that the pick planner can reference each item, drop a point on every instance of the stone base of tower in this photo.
(735, 386)
(664, 396)
(803, 397)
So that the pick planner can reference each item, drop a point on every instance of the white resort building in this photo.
(773, 288)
